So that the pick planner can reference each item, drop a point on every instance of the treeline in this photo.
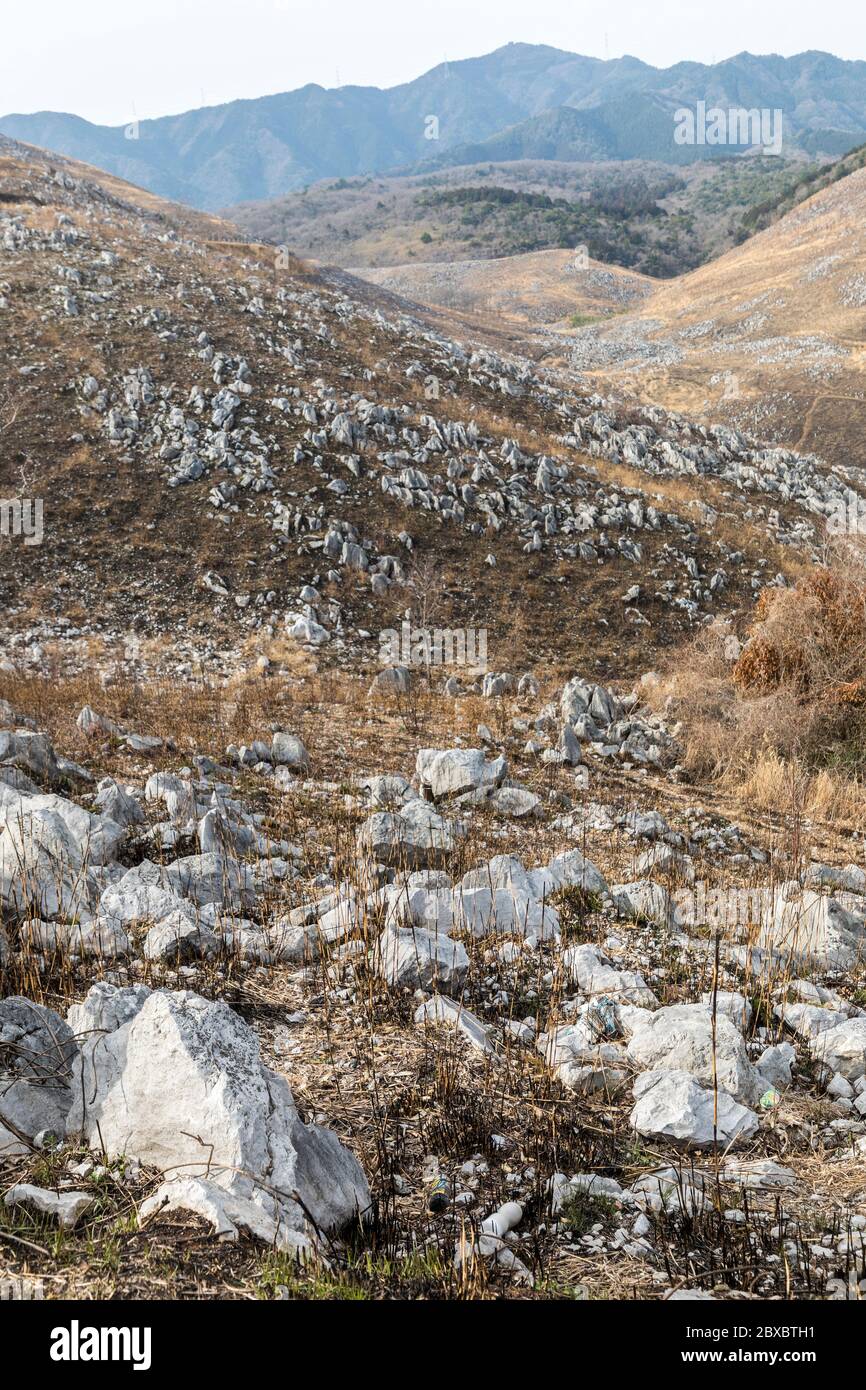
(802, 186)
(621, 224)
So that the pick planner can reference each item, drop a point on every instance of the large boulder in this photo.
(680, 1038)
(775, 1066)
(569, 870)
(12, 779)
(851, 879)
(673, 1106)
(391, 680)
(843, 1048)
(443, 1011)
(582, 1060)
(594, 974)
(575, 699)
(414, 837)
(37, 1053)
(177, 941)
(94, 725)
(115, 801)
(645, 901)
(808, 1020)
(41, 869)
(568, 746)
(142, 895)
(212, 878)
(580, 697)
(96, 837)
(32, 753)
(412, 958)
(178, 794)
(101, 937)
(510, 802)
(501, 896)
(504, 912)
(218, 834)
(812, 931)
(497, 683)
(415, 904)
(388, 790)
(177, 1081)
(730, 1002)
(453, 771)
(288, 751)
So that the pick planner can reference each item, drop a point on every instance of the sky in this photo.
(112, 61)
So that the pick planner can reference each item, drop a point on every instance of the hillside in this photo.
(769, 336)
(643, 216)
(266, 147)
(540, 288)
(417, 880)
(221, 395)
(801, 186)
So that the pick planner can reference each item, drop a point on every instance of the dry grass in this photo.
(535, 287)
(774, 782)
(808, 391)
(782, 718)
(398, 1094)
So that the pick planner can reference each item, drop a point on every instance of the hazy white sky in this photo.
(111, 60)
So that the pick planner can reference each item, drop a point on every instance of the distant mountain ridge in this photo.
(513, 103)
(636, 126)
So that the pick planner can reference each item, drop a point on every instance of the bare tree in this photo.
(427, 587)
(13, 400)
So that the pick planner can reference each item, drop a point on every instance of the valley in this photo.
(523, 958)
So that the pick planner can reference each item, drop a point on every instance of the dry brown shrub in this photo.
(811, 637)
(794, 700)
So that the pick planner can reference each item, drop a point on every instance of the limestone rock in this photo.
(66, 1207)
(680, 1038)
(177, 1081)
(672, 1105)
(289, 751)
(415, 837)
(440, 1010)
(37, 1054)
(416, 959)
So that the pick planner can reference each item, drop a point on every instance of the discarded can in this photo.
(602, 1018)
(438, 1199)
(770, 1099)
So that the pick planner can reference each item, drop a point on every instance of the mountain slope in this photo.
(234, 453)
(648, 217)
(637, 126)
(771, 336)
(264, 147)
(537, 288)
(804, 184)
(215, 827)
